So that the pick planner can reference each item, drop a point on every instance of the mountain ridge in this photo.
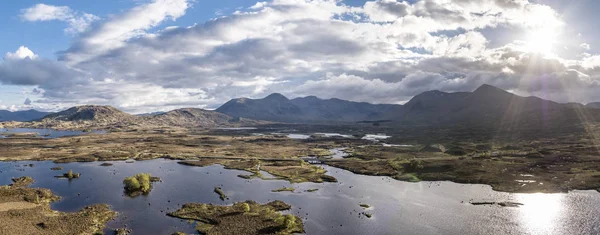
(21, 116)
(108, 117)
(485, 106)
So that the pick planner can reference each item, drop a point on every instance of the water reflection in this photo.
(398, 207)
(540, 213)
(42, 133)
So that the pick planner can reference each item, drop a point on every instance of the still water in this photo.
(397, 207)
(43, 133)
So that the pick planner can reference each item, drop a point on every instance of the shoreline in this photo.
(493, 186)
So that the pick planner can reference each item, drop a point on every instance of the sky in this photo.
(157, 55)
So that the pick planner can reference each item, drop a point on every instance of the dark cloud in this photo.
(47, 74)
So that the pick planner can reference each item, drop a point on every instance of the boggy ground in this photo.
(292, 170)
(526, 163)
(26, 210)
(150, 144)
(247, 217)
(545, 165)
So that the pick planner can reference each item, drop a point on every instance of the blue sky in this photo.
(156, 55)
(46, 38)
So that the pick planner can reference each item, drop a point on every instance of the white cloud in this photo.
(585, 46)
(386, 10)
(43, 12)
(384, 51)
(78, 22)
(21, 53)
(114, 32)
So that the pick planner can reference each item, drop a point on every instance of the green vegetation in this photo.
(245, 207)
(139, 184)
(23, 181)
(294, 171)
(297, 171)
(27, 211)
(246, 217)
(246, 176)
(409, 177)
(122, 231)
(222, 195)
(414, 165)
(70, 175)
(364, 205)
(284, 189)
(288, 223)
(311, 190)
(57, 168)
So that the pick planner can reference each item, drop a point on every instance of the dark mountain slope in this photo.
(274, 107)
(277, 107)
(21, 116)
(595, 105)
(193, 117)
(491, 106)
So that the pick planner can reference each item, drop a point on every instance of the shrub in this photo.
(140, 183)
(245, 207)
(131, 184)
(414, 165)
(289, 221)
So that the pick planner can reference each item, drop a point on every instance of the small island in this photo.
(219, 191)
(27, 210)
(139, 184)
(247, 217)
(69, 175)
(284, 189)
(57, 168)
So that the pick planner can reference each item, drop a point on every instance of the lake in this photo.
(397, 207)
(43, 133)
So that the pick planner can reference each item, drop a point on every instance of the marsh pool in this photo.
(397, 207)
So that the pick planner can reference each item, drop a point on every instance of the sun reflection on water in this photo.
(540, 213)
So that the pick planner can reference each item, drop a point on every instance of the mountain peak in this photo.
(595, 105)
(88, 113)
(485, 88)
(276, 96)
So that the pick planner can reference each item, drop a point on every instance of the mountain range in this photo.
(100, 117)
(485, 106)
(277, 107)
(21, 116)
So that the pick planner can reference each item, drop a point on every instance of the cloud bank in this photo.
(384, 51)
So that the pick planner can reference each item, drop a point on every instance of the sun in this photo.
(541, 41)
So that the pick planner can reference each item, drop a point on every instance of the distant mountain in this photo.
(274, 107)
(102, 117)
(595, 105)
(277, 107)
(149, 114)
(192, 117)
(492, 106)
(21, 116)
(95, 113)
(485, 106)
